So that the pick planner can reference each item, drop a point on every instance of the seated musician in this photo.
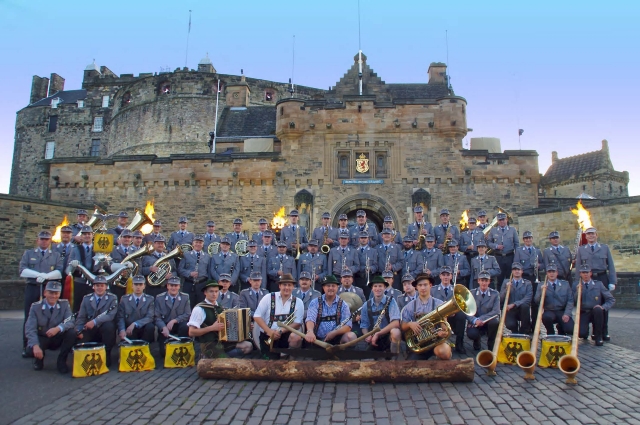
(205, 327)
(592, 309)
(387, 275)
(346, 285)
(136, 312)
(96, 318)
(518, 318)
(423, 304)
(558, 303)
(227, 299)
(250, 297)
(388, 337)
(326, 313)
(305, 292)
(487, 306)
(49, 326)
(444, 292)
(410, 292)
(279, 307)
(172, 310)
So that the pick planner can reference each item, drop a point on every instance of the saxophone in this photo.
(325, 248)
(421, 238)
(445, 245)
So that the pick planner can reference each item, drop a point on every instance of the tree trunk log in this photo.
(338, 371)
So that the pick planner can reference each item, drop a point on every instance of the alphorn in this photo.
(527, 359)
(570, 364)
(489, 359)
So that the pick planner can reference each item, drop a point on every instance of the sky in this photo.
(566, 72)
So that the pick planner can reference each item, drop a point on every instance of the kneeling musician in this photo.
(487, 313)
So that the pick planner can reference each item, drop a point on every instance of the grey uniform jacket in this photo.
(335, 260)
(463, 263)
(434, 260)
(528, 260)
(593, 294)
(394, 253)
(219, 264)
(560, 299)
(311, 294)
(34, 260)
(599, 259)
(487, 306)
(289, 236)
(165, 311)
(267, 252)
(189, 262)
(177, 238)
(561, 256)
(354, 235)
(318, 234)
(354, 289)
(412, 262)
(209, 239)
(89, 312)
(372, 255)
(403, 300)
(234, 238)
(468, 238)
(288, 266)
(440, 293)
(520, 294)
(249, 300)
(118, 254)
(507, 237)
(488, 262)
(148, 260)
(413, 230)
(149, 238)
(41, 319)
(65, 254)
(258, 238)
(128, 313)
(317, 263)
(440, 232)
(85, 259)
(228, 300)
(255, 263)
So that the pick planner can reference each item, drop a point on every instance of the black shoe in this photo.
(476, 345)
(108, 359)
(62, 365)
(25, 353)
(607, 338)
(599, 343)
(460, 349)
(38, 364)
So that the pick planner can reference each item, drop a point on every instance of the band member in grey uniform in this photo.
(49, 326)
(558, 303)
(346, 285)
(227, 298)
(280, 265)
(136, 313)
(172, 310)
(123, 218)
(432, 259)
(237, 234)
(363, 226)
(210, 237)
(225, 261)
(304, 291)
(157, 229)
(453, 258)
(64, 248)
(504, 241)
(82, 217)
(137, 240)
(250, 263)
(526, 255)
(409, 291)
(313, 261)
(482, 262)
(82, 255)
(326, 229)
(193, 270)
(118, 254)
(390, 257)
(592, 308)
(343, 255)
(417, 228)
(469, 239)
(262, 229)
(482, 220)
(598, 257)
(412, 260)
(445, 230)
(180, 237)
(147, 265)
(250, 297)
(487, 305)
(267, 248)
(294, 232)
(388, 224)
(518, 317)
(366, 255)
(444, 292)
(561, 255)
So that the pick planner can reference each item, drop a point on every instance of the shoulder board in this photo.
(88, 295)
(37, 302)
(161, 294)
(183, 293)
(244, 290)
(63, 301)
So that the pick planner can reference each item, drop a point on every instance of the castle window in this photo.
(49, 150)
(584, 187)
(81, 104)
(381, 165)
(97, 124)
(53, 123)
(105, 101)
(610, 188)
(343, 165)
(269, 96)
(126, 99)
(165, 88)
(55, 102)
(555, 193)
(95, 147)
(621, 190)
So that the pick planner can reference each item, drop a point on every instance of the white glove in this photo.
(74, 263)
(129, 264)
(117, 266)
(53, 275)
(40, 279)
(612, 287)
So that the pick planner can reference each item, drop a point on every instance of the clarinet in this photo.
(104, 313)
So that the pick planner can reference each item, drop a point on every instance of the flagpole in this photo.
(186, 55)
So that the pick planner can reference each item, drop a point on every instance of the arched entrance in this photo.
(375, 207)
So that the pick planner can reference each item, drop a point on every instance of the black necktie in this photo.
(237, 236)
(86, 249)
(554, 286)
(198, 255)
(385, 248)
(221, 297)
(97, 302)
(225, 256)
(173, 301)
(446, 292)
(182, 234)
(42, 252)
(258, 297)
(343, 250)
(125, 250)
(303, 295)
(592, 248)
(483, 294)
(64, 250)
(51, 310)
(362, 250)
(529, 250)
(209, 237)
(137, 302)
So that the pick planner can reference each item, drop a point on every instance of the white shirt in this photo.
(198, 315)
(264, 309)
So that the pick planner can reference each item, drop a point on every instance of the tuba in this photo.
(127, 273)
(428, 338)
(325, 248)
(158, 277)
(139, 220)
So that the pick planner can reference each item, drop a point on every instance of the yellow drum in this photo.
(89, 359)
(136, 356)
(511, 345)
(179, 353)
(553, 348)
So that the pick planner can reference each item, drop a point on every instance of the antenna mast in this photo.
(446, 37)
(293, 65)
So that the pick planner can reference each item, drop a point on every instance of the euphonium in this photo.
(122, 279)
(94, 221)
(462, 300)
(569, 364)
(139, 220)
(325, 248)
(158, 277)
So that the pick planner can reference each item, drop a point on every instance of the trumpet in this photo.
(325, 248)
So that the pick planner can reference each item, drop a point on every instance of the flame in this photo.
(464, 220)
(279, 219)
(150, 211)
(584, 218)
(57, 238)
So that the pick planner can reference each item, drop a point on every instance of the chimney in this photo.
(605, 145)
(39, 86)
(238, 93)
(437, 73)
(56, 85)
(554, 156)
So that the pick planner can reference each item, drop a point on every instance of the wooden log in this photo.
(338, 371)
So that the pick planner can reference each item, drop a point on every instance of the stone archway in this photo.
(375, 207)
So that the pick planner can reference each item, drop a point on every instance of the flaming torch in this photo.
(278, 222)
(464, 221)
(149, 212)
(57, 238)
(584, 222)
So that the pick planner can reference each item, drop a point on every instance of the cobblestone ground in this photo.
(608, 392)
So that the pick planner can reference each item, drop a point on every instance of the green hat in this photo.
(378, 279)
(329, 279)
(210, 284)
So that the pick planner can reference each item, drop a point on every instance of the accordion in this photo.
(237, 325)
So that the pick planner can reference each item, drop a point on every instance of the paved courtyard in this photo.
(608, 392)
